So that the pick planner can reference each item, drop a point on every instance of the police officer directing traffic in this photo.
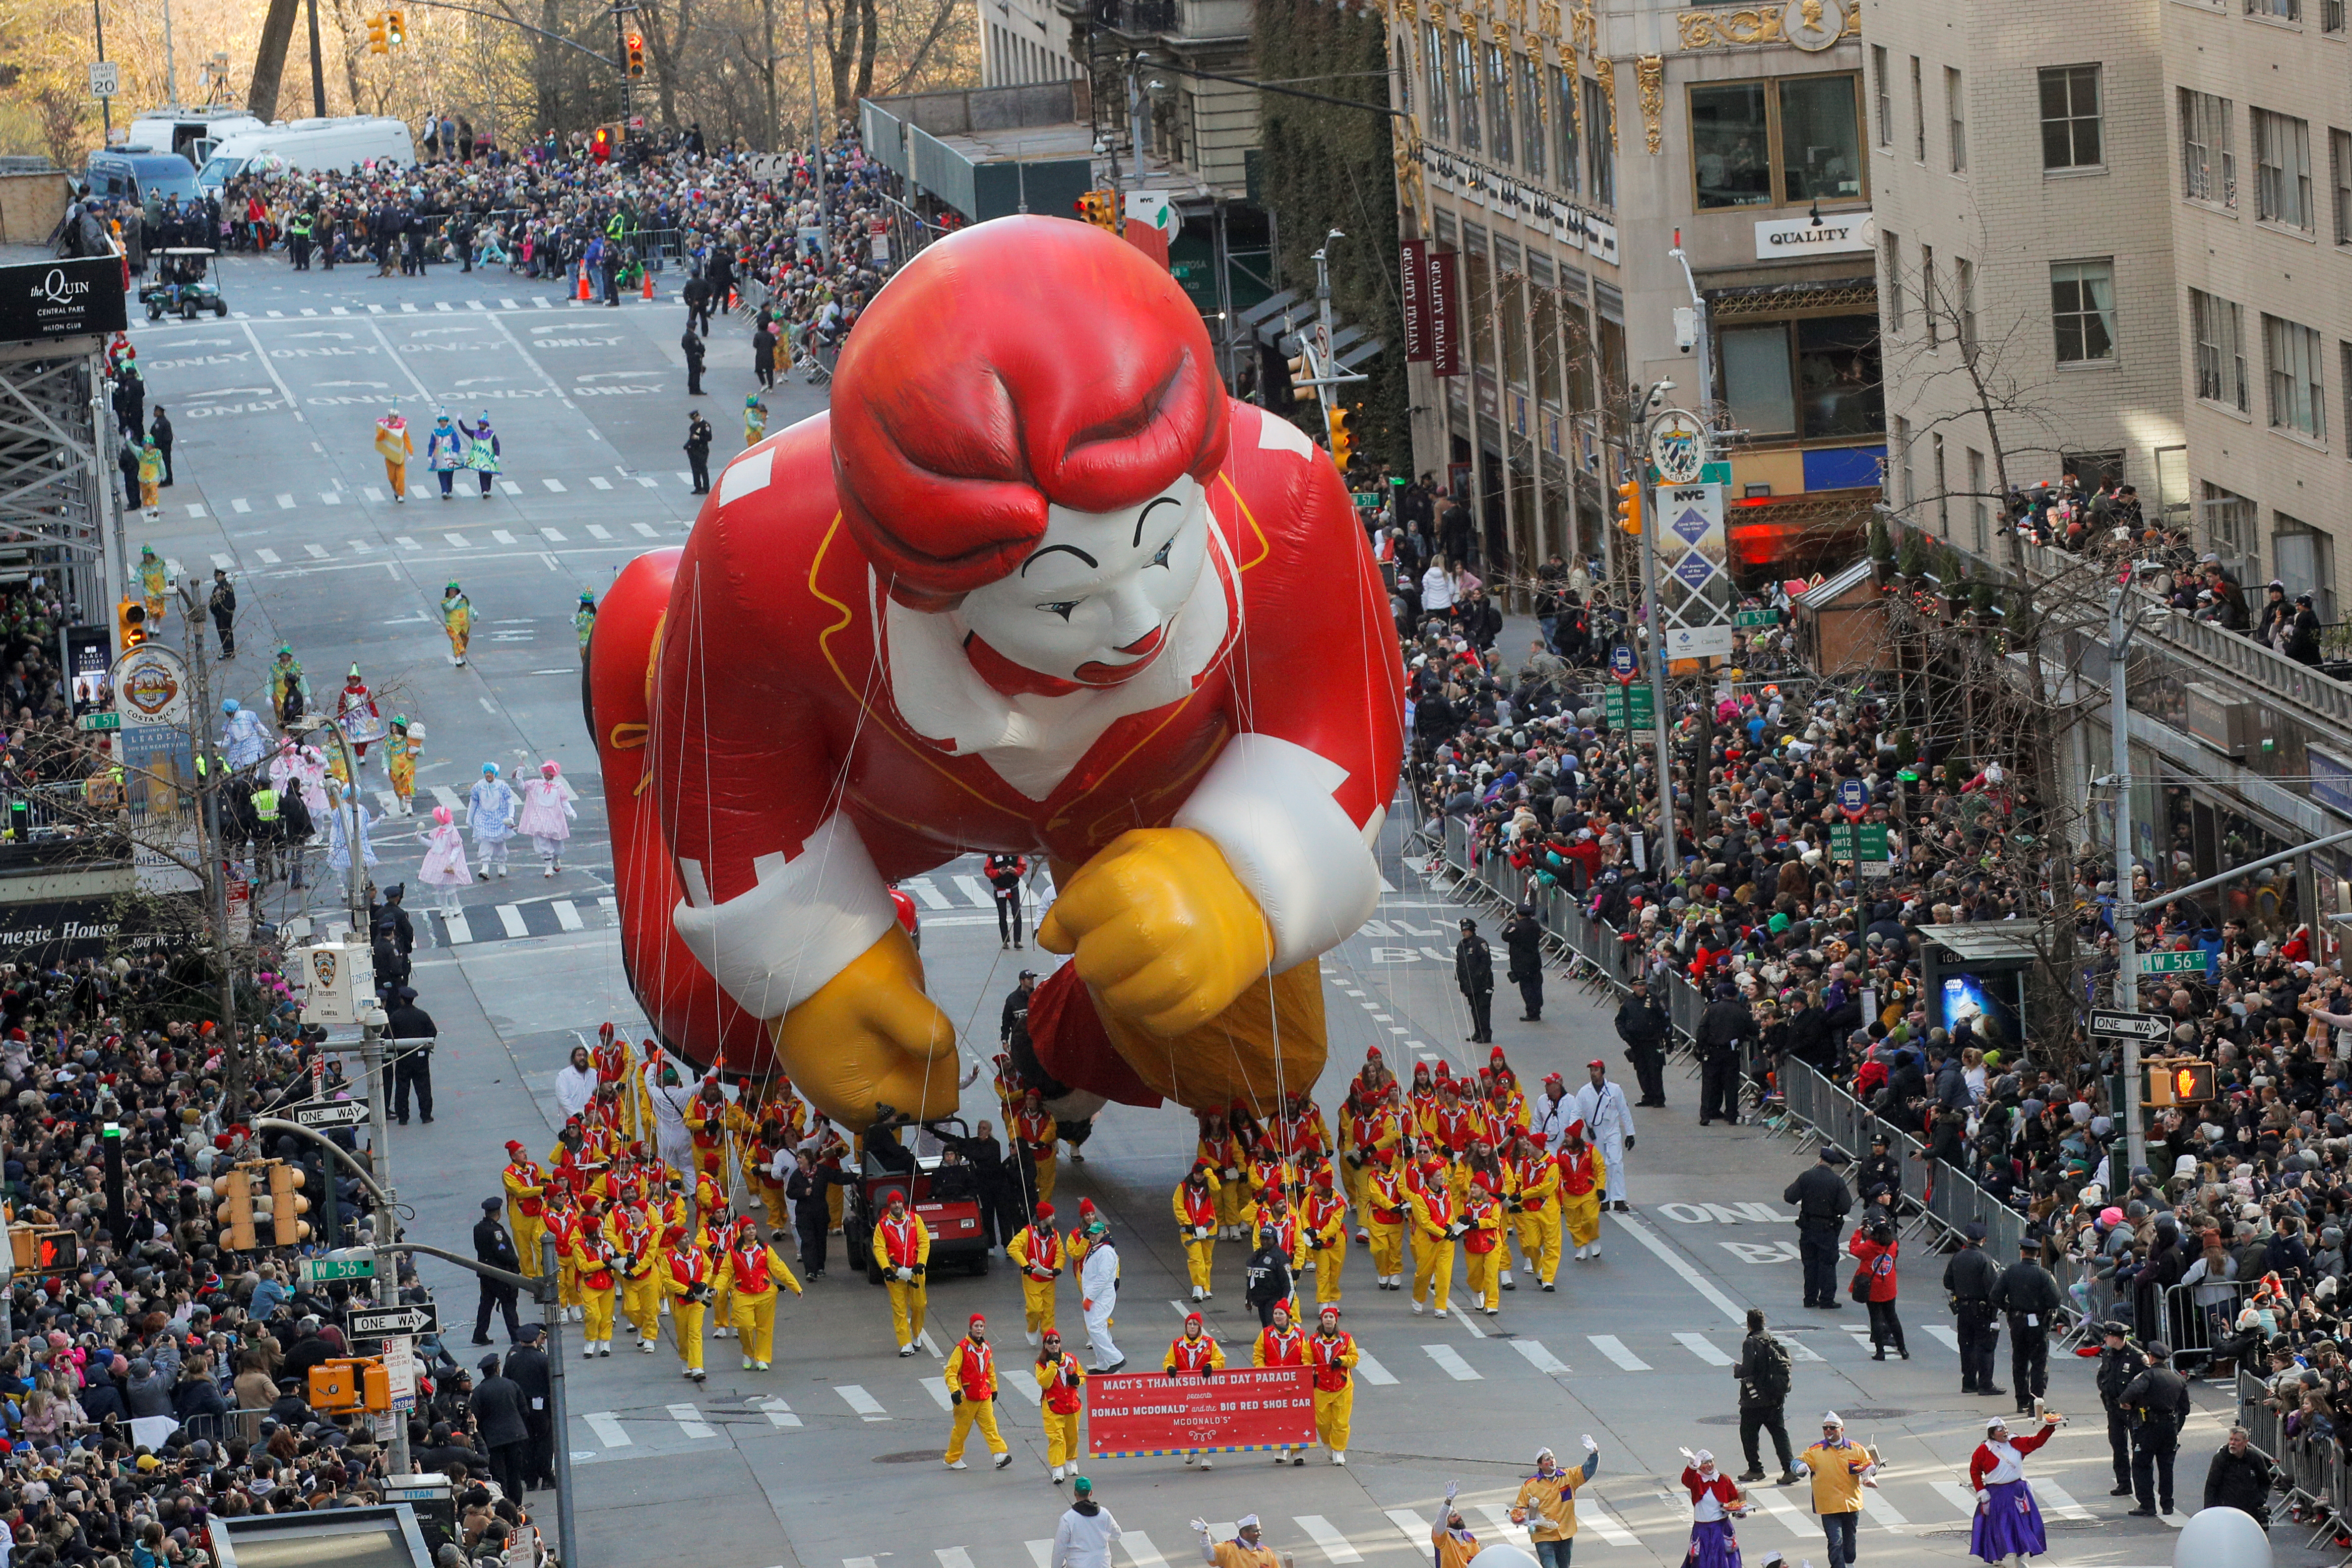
(1822, 1202)
(1970, 1282)
(2157, 1404)
(2029, 1297)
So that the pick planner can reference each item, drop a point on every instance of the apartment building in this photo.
(1561, 151)
(2025, 269)
(1023, 41)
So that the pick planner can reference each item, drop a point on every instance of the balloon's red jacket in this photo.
(802, 740)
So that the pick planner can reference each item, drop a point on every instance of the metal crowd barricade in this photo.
(2193, 1327)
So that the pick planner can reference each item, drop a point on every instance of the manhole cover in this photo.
(910, 1457)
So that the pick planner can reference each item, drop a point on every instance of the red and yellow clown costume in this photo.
(1033, 584)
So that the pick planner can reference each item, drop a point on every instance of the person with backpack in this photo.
(1764, 1375)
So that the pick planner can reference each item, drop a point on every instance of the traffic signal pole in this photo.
(1660, 716)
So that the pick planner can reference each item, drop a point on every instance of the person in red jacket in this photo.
(1034, 584)
(1876, 1245)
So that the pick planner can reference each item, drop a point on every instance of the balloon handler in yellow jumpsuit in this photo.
(1061, 1389)
(971, 1391)
(1332, 1353)
(1037, 1252)
(640, 1263)
(751, 1270)
(686, 1275)
(902, 1250)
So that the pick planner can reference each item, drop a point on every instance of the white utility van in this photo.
(312, 145)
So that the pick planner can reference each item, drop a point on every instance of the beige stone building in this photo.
(1562, 149)
(1023, 41)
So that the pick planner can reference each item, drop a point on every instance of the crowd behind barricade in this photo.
(2230, 1242)
(161, 1382)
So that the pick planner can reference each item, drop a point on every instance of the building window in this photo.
(2291, 365)
(2283, 170)
(1965, 280)
(1498, 102)
(1890, 248)
(1979, 514)
(2208, 159)
(2339, 163)
(2277, 10)
(1815, 378)
(2070, 117)
(1943, 491)
(1929, 305)
(1800, 136)
(2214, 325)
(1899, 438)
(2306, 562)
(1465, 90)
(1956, 119)
(2230, 529)
(1918, 115)
(1432, 65)
(1885, 90)
(2343, 380)
(1600, 145)
(2083, 309)
(2331, 16)
(1531, 128)
(1563, 116)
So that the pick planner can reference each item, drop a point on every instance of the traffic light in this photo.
(600, 144)
(1629, 506)
(2179, 1082)
(1300, 370)
(1099, 208)
(1343, 445)
(236, 1211)
(637, 54)
(376, 45)
(130, 624)
(395, 29)
(39, 1249)
(287, 1205)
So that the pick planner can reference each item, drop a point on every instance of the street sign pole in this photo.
(557, 1413)
(1670, 860)
(387, 1263)
(2127, 909)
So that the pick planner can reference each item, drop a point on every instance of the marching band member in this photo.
(1386, 1212)
(1037, 1251)
(1532, 1187)
(1194, 1352)
(2008, 1526)
(1061, 1382)
(972, 1388)
(1281, 1344)
(686, 1275)
(1324, 1228)
(1583, 1178)
(902, 1249)
(1435, 1224)
(1333, 1353)
(1195, 1202)
(750, 1274)
(1714, 1504)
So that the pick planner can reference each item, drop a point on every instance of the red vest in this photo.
(899, 1242)
(1062, 1394)
(1576, 1172)
(1190, 1354)
(1045, 1249)
(1281, 1348)
(973, 1367)
(687, 1266)
(1324, 1353)
(1480, 1211)
(750, 1268)
(595, 1263)
(1200, 1205)
(1387, 1203)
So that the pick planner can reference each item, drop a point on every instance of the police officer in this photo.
(1523, 941)
(1970, 1282)
(1822, 1202)
(494, 1247)
(1474, 972)
(1881, 1175)
(2157, 1402)
(2029, 1296)
(2118, 1365)
(411, 1065)
(1641, 1025)
(1721, 1030)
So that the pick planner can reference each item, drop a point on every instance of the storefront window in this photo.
(1732, 144)
(1756, 381)
(1816, 377)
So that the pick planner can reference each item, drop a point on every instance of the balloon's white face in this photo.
(1092, 602)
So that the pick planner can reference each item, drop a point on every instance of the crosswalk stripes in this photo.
(1592, 1515)
(567, 915)
(1334, 1545)
(266, 557)
(1369, 1370)
(2055, 1499)
(511, 919)
(1884, 1514)
(1141, 1551)
(455, 929)
(1699, 1345)
(599, 532)
(1416, 1528)
(1041, 1553)
(1945, 1332)
(953, 1557)
(480, 922)
(607, 1428)
(1450, 1362)
(1610, 1345)
(779, 1413)
(939, 1393)
(445, 796)
(690, 1422)
(1539, 1358)
(1781, 1508)
(868, 1407)
(1499, 1517)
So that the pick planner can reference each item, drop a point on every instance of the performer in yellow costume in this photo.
(971, 1390)
(1332, 1353)
(1532, 1195)
(1061, 1384)
(751, 1273)
(686, 1275)
(902, 1250)
(1037, 1251)
(1196, 1202)
(1584, 1178)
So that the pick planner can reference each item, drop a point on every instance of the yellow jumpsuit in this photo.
(1037, 1251)
(972, 1373)
(769, 1190)
(1324, 1229)
(683, 1268)
(1197, 1210)
(1433, 1242)
(641, 1285)
(1280, 1347)
(593, 1256)
(1060, 1384)
(1535, 1189)
(564, 1224)
(525, 1183)
(903, 1243)
(1386, 1213)
(1483, 1248)
(1036, 1131)
(1380, 1130)
(402, 747)
(1223, 1158)
(707, 1124)
(750, 1272)
(1333, 1357)
(1579, 1212)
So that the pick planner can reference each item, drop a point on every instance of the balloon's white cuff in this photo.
(808, 919)
(1266, 803)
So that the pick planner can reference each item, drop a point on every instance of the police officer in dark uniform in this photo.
(494, 1247)
(1823, 1203)
(2157, 1404)
(1523, 940)
(1641, 1025)
(1474, 972)
(1726, 1024)
(1880, 1173)
(2118, 1365)
(2029, 1297)
(412, 1064)
(1970, 1280)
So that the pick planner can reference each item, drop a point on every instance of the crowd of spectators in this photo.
(160, 1382)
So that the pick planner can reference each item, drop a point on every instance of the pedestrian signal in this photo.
(2179, 1082)
(130, 624)
(376, 44)
(1343, 445)
(1629, 506)
(44, 1251)
(637, 54)
(1099, 208)
(600, 147)
(395, 29)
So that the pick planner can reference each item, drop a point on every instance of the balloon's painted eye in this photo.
(1062, 606)
(1159, 557)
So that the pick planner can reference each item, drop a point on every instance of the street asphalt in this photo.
(832, 1460)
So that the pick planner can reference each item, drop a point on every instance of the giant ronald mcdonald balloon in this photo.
(1034, 585)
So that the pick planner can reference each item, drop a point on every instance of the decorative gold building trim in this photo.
(1649, 81)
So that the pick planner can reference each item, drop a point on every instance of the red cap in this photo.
(1330, 1309)
(1045, 1211)
(1192, 1320)
(1371, 1053)
(977, 1319)
(1085, 1206)
(514, 1145)
(1323, 1177)
(1596, 1061)
(1495, 1054)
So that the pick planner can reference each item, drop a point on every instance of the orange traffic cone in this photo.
(733, 299)
(649, 283)
(584, 282)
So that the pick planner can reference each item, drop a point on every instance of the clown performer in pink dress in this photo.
(1714, 1504)
(445, 868)
(2008, 1526)
(546, 814)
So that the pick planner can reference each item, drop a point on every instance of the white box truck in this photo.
(312, 145)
